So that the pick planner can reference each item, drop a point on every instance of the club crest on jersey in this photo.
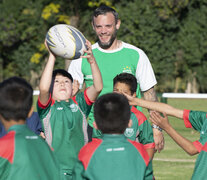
(129, 132)
(127, 69)
(74, 107)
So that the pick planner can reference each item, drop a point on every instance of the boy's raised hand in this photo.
(89, 53)
(158, 120)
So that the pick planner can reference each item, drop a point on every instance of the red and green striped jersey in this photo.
(65, 128)
(113, 157)
(26, 156)
(140, 130)
(198, 121)
(200, 170)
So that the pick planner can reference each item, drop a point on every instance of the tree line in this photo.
(171, 32)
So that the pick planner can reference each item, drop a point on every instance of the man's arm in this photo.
(163, 122)
(94, 90)
(150, 95)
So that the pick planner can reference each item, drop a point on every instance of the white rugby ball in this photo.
(66, 41)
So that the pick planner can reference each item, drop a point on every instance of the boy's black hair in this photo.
(59, 72)
(112, 113)
(102, 10)
(128, 79)
(16, 96)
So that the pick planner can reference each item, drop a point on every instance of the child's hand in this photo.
(89, 55)
(50, 53)
(76, 85)
(131, 99)
(158, 120)
(42, 135)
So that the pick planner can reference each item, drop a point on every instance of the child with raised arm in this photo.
(23, 154)
(192, 119)
(113, 156)
(63, 116)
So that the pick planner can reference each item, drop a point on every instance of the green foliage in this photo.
(171, 32)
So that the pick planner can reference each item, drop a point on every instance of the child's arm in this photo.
(46, 79)
(157, 106)
(184, 143)
(94, 90)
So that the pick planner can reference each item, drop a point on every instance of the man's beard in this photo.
(109, 43)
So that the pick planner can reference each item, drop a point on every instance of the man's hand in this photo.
(159, 140)
(163, 123)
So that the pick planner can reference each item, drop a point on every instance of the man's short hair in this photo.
(16, 97)
(102, 10)
(112, 113)
(128, 79)
(61, 72)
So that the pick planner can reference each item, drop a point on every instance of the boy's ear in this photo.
(95, 125)
(130, 123)
(30, 112)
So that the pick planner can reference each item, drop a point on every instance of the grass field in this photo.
(173, 163)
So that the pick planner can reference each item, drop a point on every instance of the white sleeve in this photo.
(75, 70)
(144, 72)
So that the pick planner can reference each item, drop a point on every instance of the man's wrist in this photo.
(156, 127)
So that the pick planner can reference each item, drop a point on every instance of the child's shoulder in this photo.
(139, 115)
(89, 148)
(7, 144)
(140, 148)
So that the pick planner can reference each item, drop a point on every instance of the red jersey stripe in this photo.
(198, 145)
(140, 116)
(204, 147)
(88, 101)
(141, 150)
(74, 99)
(186, 118)
(7, 144)
(149, 146)
(43, 106)
(87, 151)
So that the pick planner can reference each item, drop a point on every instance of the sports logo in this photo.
(127, 69)
(129, 132)
(74, 107)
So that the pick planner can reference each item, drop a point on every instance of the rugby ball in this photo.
(66, 41)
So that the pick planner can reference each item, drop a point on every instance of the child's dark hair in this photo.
(128, 79)
(112, 113)
(59, 72)
(16, 97)
(102, 10)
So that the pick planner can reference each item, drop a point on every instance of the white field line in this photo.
(174, 160)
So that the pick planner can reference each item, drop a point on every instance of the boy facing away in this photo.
(63, 117)
(139, 128)
(23, 154)
(192, 119)
(113, 156)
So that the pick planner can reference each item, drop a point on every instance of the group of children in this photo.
(124, 147)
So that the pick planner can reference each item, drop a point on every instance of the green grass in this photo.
(173, 163)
